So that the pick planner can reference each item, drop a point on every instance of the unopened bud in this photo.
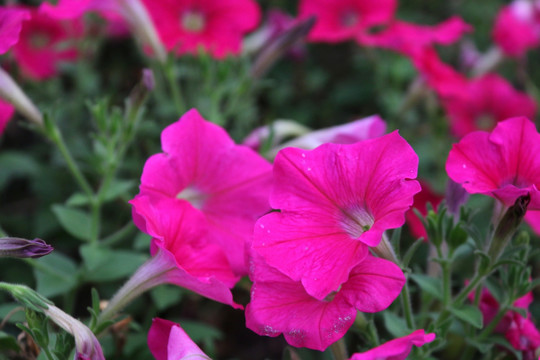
(23, 248)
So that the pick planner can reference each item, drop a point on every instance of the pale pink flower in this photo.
(217, 27)
(409, 38)
(227, 183)
(397, 349)
(168, 341)
(341, 20)
(280, 305)
(502, 164)
(44, 43)
(517, 27)
(333, 202)
(11, 20)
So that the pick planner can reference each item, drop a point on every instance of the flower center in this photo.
(349, 18)
(194, 196)
(355, 221)
(192, 21)
(39, 41)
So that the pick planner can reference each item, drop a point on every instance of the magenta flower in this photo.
(397, 349)
(341, 20)
(502, 164)
(168, 341)
(335, 201)
(409, 39)
(6, 112)
(227, 183)
(180, 236)
(282, 305)
(44, 43)
(185, 26)
(427, 195)
(517, 27)
(11, 20)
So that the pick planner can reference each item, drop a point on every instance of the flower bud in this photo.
(23, 248)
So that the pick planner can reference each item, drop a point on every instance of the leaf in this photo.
(16, 164)
(428, 284)
(165, 296)
(469, 314)
(394, 324)
(55, 274)
(118, 188)
(76, 222)
(102, 264)
(8, 342)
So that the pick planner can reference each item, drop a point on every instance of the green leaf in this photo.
(200, 332)
(411, 251)
(15, 316)
(165, 296)
(102, 264)
(394, 324)
(8, 342)
(428, 284)
(469, 314)
(118, 188)
(55, 274)
(458, 236)
(76, 222)
(77, 199)
(16, 164)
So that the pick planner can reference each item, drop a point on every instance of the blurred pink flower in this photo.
(333, 202)
(282, 305)
(397, 349)
(185, 26)
(44, 42)
(341, 20)
(502, 164)
(202, 167)
(11, 20)
(409, 38)
(6, 112)
(472, 104)
(421, 199)
(517, 27)
(168, 341)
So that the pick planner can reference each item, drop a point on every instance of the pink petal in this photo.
(10, 26)
(6, 112)
(533, 219)
(397, 349)
(516, 30)
(168, 341)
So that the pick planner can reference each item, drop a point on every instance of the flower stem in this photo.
(407, 306)
(339, 350)
(176, 92)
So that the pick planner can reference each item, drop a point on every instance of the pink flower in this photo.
(168, 341)
(502, 164)
(282, 305)
(397, 349)
(43, 44)
(408, 38)
(11, 20)
(131, 11)
(427, 195)
(472, 104)
(6, 112)
(334, 201)
(533, 219)
(341, 20)
(517, 27)
(217, 27)
(203, 168)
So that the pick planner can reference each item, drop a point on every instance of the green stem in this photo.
(407, 306)
(339, 350)
(118, 235)
(174, 86)
(96, 220)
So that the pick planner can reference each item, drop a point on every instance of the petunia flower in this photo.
(333, 202)
(502, 164)
(168, 341)
(43, 43)
(472, 104)
(409, 38)
(133, 12)
(6, 112)
(217, 27)
(229, 184)
(341, 20)
(280, 305)
(427, 195)
(11, 20)
(397, 349)
(517, 27)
